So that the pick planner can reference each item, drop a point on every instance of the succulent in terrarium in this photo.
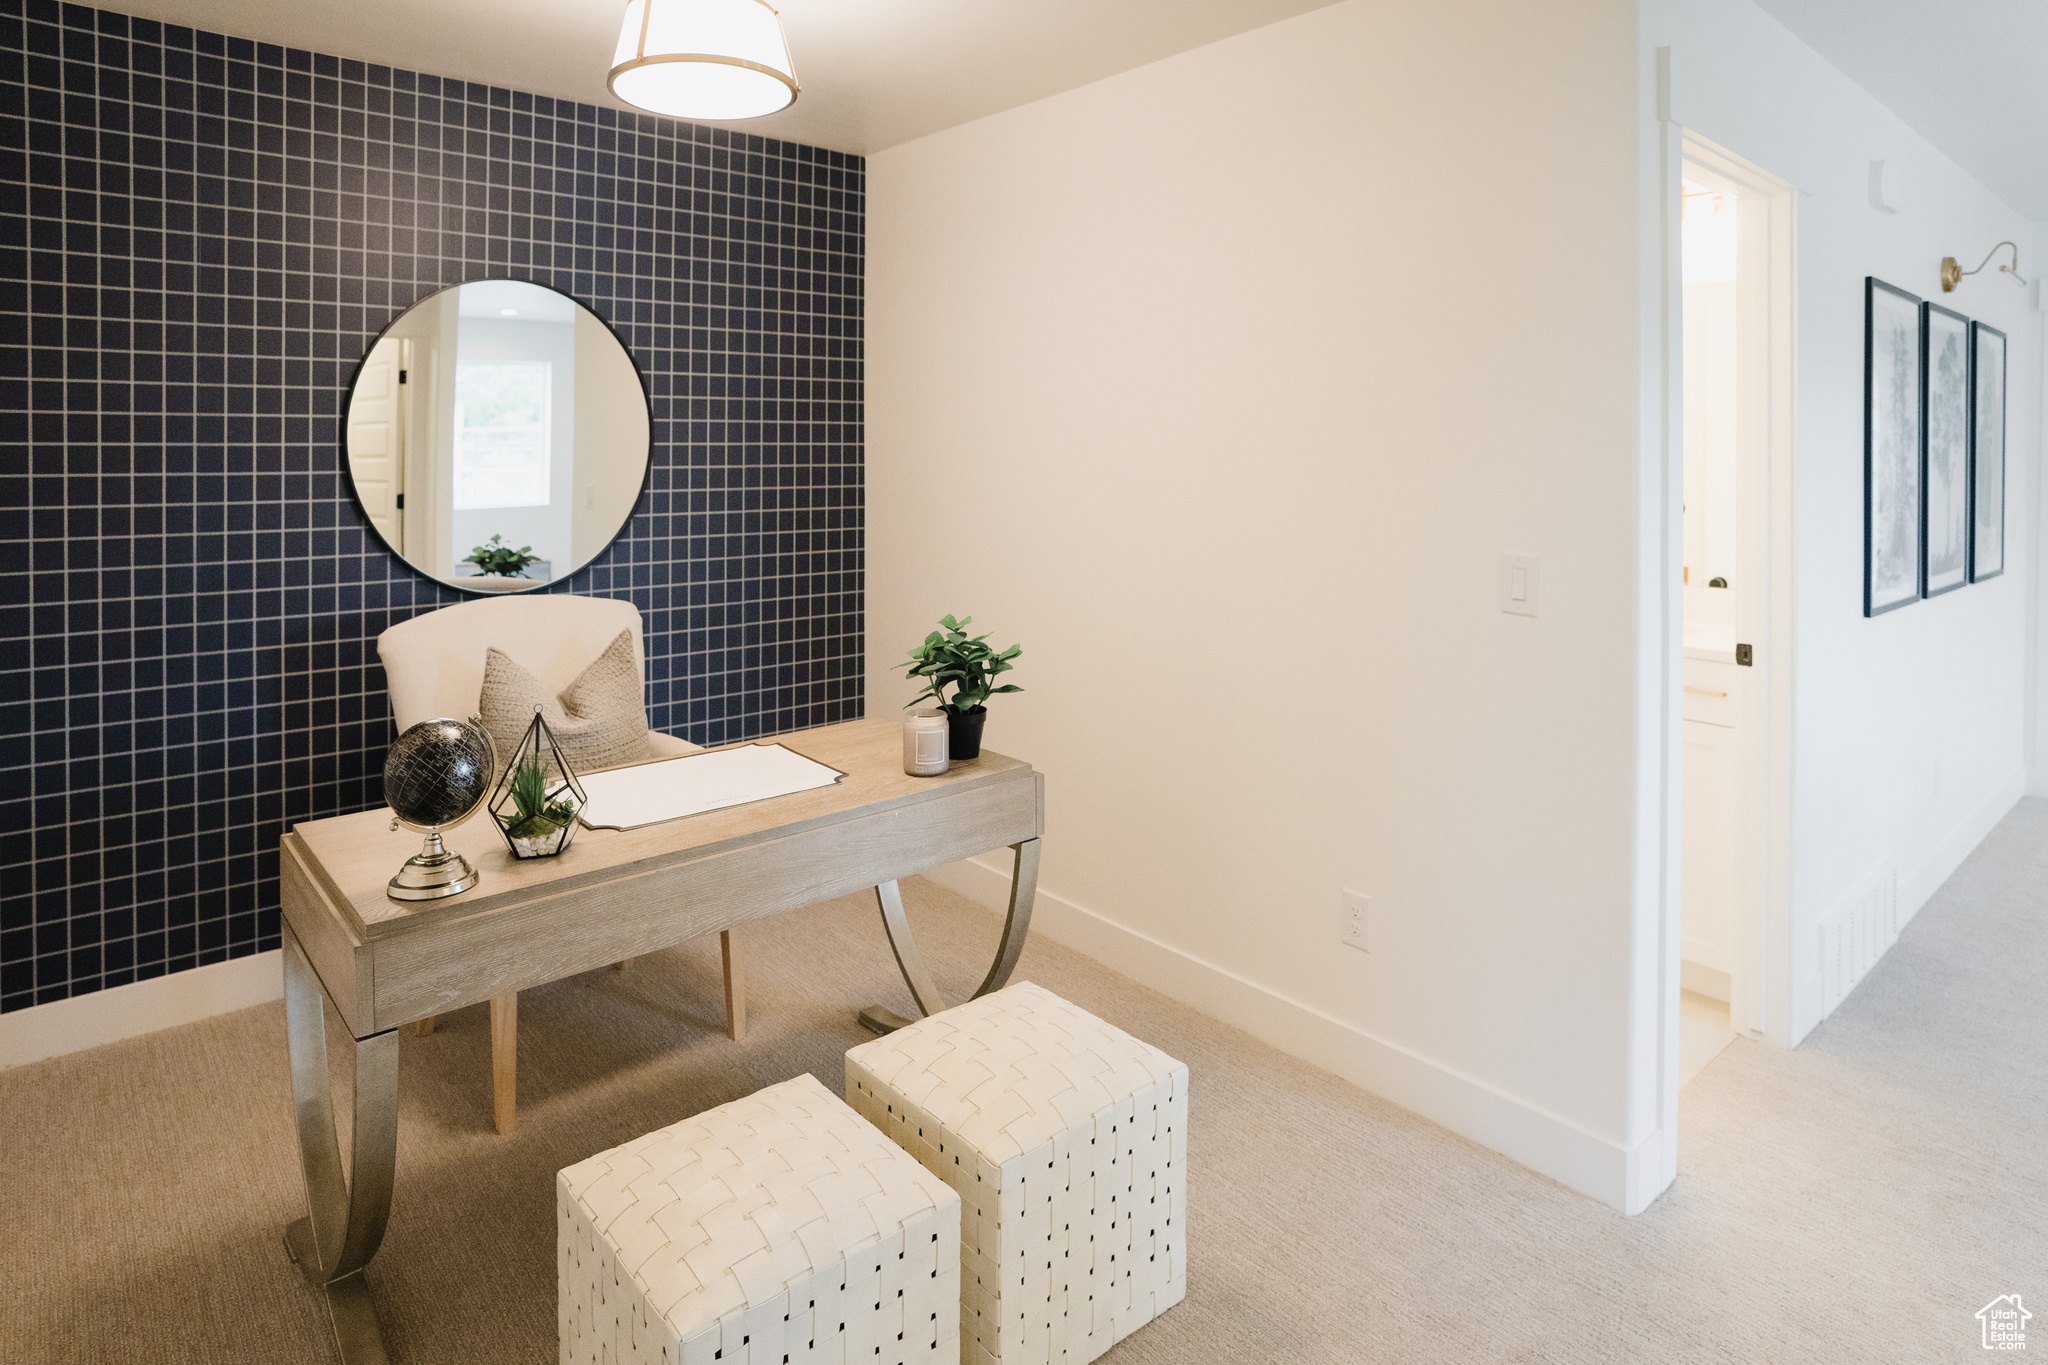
(538, 798)
(535, 815)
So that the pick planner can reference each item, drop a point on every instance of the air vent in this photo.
(1856, 936)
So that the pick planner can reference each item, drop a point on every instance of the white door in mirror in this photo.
(376, 440)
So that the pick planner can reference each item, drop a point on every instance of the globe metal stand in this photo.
(438, 775)
(433, 872)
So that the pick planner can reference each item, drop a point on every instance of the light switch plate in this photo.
(1519, 578)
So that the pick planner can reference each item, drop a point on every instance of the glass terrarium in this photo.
(538, 799)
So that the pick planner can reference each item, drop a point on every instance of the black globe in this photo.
(437, 772)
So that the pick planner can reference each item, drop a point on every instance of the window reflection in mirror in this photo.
(504, 409)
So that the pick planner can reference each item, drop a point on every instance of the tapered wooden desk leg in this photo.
(505, 1059)
(422, 1027)
(622, 964)
(733, 950)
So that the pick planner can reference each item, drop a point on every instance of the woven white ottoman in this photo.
(1067, 1141)
(780, 1227)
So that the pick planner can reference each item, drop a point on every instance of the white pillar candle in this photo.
(924, 744)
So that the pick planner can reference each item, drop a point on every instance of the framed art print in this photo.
(1891, 447)
(1987, 452)
(1945, 472)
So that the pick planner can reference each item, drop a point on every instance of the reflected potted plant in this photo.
(970, 667)
(494, 556)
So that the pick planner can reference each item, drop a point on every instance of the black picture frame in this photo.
(1945, 421)
(1893, 363)
(1988, 374)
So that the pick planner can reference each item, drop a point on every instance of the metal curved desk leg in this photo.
(346, 1216)
(923, 990)
(1023, 890)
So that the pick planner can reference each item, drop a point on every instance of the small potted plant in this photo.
(537, 799)
(970, 667)
(494, 556)
(539, 823)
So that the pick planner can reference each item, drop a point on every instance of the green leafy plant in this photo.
(970, 667)
(496, 557)
(537, 815)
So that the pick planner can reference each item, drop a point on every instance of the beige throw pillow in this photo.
(599, 721)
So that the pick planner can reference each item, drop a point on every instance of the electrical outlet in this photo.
(1351, 921)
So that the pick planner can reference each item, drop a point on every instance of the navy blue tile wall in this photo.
(199, 238)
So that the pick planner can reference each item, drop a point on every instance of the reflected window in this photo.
(501, 435)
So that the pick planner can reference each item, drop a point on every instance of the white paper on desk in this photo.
(627, 798)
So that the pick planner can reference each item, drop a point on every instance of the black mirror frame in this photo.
(348, 401)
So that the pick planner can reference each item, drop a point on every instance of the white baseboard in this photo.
(1704, 981)
(1917, 885)
(119, 1012)
(1652, 1168)
(1553, 1146)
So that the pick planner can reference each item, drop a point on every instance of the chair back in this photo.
(434, 663)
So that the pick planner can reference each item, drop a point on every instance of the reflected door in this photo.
(376, 440)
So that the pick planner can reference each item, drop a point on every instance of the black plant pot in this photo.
(963, 733)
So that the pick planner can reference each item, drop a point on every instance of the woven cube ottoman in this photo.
(1066, 1139)
(780, 1227)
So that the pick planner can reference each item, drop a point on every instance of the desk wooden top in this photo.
(353, 856)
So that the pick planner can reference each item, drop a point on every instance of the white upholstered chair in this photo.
(434, 666)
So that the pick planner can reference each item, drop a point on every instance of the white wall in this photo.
(1911, 729)
(2032, 567)
(1222, 385)
(611, 442)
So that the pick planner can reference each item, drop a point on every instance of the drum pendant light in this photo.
(706, 59)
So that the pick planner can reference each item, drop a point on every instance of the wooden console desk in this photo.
(613, 895)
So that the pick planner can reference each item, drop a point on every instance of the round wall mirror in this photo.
(497, 436)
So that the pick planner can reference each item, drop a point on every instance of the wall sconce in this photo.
(1952, 274)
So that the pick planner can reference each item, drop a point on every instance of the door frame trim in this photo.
(1761, 1003)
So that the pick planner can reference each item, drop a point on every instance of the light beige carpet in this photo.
(1855, 1200)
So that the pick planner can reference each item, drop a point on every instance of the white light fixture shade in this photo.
(707, 59)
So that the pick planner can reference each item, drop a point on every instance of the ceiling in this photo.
(874, 72)
(1967, 75)
(510, 298)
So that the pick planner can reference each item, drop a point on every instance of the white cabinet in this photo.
(1710, 690)
(1710, 835)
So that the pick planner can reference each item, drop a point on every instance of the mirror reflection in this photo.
(497, 436)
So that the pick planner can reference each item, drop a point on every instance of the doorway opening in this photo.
(1735, 571)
